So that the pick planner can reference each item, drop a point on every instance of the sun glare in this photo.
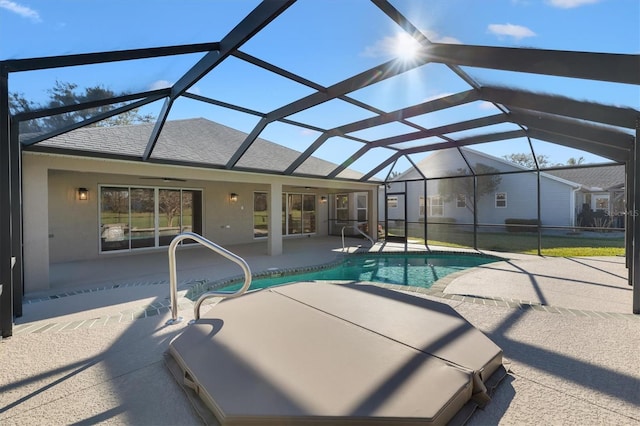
(405, 47)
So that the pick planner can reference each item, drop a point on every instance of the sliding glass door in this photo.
(114, 219)
(143, 228)
(141, 217)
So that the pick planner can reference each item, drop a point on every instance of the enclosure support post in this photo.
(274, 207)
(16, 218)
(426, 234)
(386, 214)
(628, 219)
(539, 216)
(475, 212)
(406, 222)
(6, 281)
(635, 229)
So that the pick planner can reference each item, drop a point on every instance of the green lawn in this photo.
(554, 242)
(552, 245)
(144, 220)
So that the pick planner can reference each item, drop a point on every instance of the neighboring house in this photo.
(602, 190)
(80, 207)
(513, 195)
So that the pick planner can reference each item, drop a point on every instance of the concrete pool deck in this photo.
(91, 350)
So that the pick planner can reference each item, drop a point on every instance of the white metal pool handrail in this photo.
(173, 275)
(360, 231)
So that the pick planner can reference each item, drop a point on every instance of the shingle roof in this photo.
(594, 177)
(195, 140)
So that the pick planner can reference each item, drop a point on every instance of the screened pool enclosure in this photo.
(465, 139)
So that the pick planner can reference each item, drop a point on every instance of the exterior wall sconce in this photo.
(83, 194)
(233, 197)
(323, 199)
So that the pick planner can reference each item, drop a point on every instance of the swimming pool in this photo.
(410, 269)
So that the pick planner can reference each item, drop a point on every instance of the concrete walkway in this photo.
(91, 349)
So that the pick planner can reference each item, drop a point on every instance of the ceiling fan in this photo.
(308, 188)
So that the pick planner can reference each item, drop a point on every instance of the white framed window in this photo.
(392, 202)
(260, 214)
(421, 206)
(501, 200)
(342, 208)
(298, 213)
(361, 207)
(435, 206)
(461, 200)
(600, 202)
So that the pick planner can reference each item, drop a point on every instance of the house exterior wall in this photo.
(558, 203)
(60, 228)
(74, 226)
(557, 196)
(35, 196)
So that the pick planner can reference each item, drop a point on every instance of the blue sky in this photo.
(325, 41)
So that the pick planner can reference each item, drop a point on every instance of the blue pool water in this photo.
(417, 270)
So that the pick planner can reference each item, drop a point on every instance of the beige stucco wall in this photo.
(60, 228)
(74, 225)
(35, 226)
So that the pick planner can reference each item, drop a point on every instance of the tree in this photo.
(170, 205)
(575, 161)
(526, 159)
(394, 174)
(488, 181)
(64, 94)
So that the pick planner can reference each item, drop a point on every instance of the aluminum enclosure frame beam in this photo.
(364, 79)
(621, 68)
(257, 19)
(558, 105)
(595, 135)
(398, 115)
(619, 156)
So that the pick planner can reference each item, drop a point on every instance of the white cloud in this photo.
(570, 4)
(159, 84)
(24, 11)
(510, 30)
(434, 37)
(381, 48)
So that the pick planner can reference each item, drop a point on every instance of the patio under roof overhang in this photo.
(608, 131)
